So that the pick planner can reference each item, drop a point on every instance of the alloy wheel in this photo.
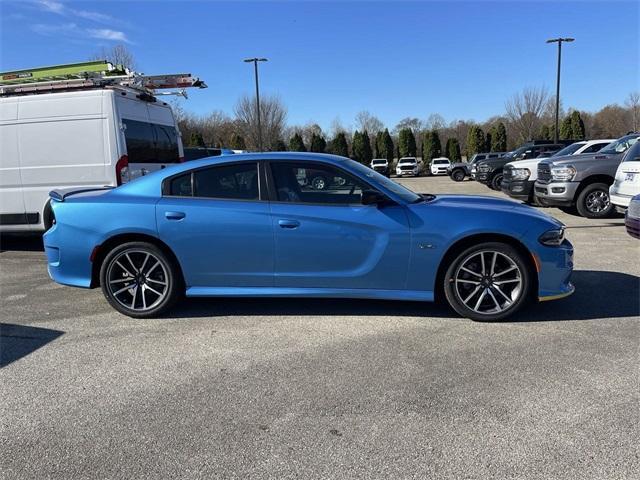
(597, 201)
(137, 279)
(488, 282)
(319, 183)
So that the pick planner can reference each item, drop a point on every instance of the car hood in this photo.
(491, 205)
(567, 159)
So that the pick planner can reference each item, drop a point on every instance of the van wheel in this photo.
(488, 282)
(139, 280)
(594, 201)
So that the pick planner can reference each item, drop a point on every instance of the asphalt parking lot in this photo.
(324, 388)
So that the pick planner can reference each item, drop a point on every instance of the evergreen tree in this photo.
(566, 128)
(499, 139)
(379, 145)
(339, 145)
(487, 140)
(237, 142)
(545, 133)
(577, 126)
(318, 143)
(279, 146)
(367, 152)
(406, 143)
(388, 146)
(356, 146)
(196, 140)
(431, 147)
(296, 144)
(452, 150)
(475, 141)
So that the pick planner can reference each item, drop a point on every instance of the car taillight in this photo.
(122, 170)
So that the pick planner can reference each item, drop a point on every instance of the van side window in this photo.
(167, 144)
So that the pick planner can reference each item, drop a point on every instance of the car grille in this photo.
(544, 172)
(507, 172)
(407, 167)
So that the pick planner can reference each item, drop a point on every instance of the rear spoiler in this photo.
(61, 195)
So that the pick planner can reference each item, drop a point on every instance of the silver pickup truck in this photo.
(581, 182)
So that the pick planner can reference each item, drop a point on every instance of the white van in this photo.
(81, 138)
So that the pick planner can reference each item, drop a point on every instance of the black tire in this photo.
(458, 175)
(456, 292)
(594, 201)
(496, 182)
(167, 271)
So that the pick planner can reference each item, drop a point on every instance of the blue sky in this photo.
(334, 59)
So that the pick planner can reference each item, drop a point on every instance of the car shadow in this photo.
(15, 242)
(17, 341)
(598, 295)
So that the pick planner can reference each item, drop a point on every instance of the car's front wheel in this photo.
(458, 175)
(488, 282)
(496, 182)
(594, 201)
(140, 280)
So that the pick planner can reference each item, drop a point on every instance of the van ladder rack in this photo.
(96, 74)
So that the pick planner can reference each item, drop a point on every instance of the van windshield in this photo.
(150, 142)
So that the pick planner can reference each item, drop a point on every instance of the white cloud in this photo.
(50, 6)
(95, 16)
(107, 34)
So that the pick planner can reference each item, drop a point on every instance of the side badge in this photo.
(424, 246)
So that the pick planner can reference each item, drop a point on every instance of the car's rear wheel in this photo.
(594, 201)
(488, 282)
(458, 175)
(140, 280)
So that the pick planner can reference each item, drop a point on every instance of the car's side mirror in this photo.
(373, 197)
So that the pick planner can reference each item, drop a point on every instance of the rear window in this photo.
(150, 143)
(238, 181)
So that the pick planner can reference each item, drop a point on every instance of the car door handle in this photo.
(288, 223)
(174, 215)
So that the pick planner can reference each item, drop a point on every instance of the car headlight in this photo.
(564, 173)
(520, 173)
(552, 238)
(484, 168)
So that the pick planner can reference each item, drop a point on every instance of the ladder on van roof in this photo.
(94, 74)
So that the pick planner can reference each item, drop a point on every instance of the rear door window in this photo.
(150, 143)
(239, 182)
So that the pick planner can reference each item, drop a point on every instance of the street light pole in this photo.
(559, 42)
(255, 67)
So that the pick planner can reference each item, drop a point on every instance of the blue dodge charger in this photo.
(302, 225)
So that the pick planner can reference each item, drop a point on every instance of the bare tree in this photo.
(413, 123)
(118, 55)
(633, 103)
(273, 116)
(367, 122)
(525, 110)
(435, 122)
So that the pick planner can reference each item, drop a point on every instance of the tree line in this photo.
(528, 115)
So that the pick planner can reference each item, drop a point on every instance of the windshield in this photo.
(407, 160)
(633, 155)
(379, 162)
(569, 150)
(438, 162)
(375, 178)
(620, 145)
(515, 153)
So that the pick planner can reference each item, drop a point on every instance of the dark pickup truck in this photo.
(490, 171)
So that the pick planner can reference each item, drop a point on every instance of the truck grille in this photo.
(544, 172)
(407, 167)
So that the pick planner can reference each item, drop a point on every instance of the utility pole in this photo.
(255, 67)
(559, 42)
